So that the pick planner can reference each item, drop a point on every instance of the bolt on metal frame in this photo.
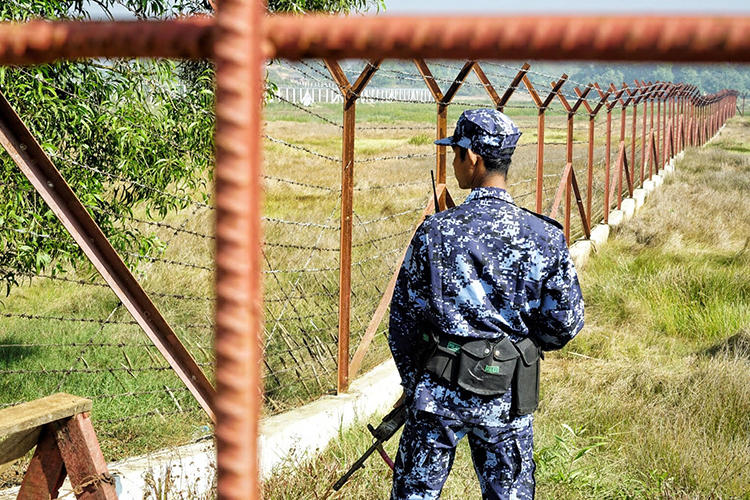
(241, 37)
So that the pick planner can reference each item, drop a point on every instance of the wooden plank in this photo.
(46, 471)
(20, 424)
(83, 459)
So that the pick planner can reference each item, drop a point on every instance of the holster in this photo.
(525, 394)
(488, 367)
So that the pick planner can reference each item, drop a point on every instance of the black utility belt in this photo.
(489, 367)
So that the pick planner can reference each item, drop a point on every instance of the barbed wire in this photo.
(308, 111)
(134, 182)
(302, 148)
(387, 217)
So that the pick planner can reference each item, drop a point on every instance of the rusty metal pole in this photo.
(542, 107)
(646, 91)
(590, 158)
(350, 93)
(442, 100)
(239, 312)
(633, 136)
(623, 119)
(658, 130)
(608, 164)
(345, 243)
(569, 185)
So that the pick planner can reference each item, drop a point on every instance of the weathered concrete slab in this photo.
(639, 196)
(580, 251)
(648, 186)
(628, 208)
(615, 218)
(599, 235)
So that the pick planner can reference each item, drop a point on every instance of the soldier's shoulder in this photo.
(544, 218)
(441, 219)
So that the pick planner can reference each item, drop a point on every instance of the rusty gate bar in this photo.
(593, 38)
(239, 204)
(33, 162)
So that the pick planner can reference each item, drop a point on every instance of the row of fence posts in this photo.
(681, 118)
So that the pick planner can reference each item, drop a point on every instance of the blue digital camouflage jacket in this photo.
(486, 269)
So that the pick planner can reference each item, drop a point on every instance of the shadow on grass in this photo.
(14, 349)
(737, 345)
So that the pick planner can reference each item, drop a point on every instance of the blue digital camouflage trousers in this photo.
(502, 455)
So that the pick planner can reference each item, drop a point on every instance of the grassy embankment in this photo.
(651, 400)
(138, 404)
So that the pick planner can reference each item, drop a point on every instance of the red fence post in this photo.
(442, 100)
(542, 107)
(350, 93)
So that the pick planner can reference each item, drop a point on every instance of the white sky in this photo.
(396, 7)
(475, 7)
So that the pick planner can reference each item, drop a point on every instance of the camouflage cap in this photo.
(487, 132)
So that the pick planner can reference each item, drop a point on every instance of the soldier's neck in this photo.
(496, 181)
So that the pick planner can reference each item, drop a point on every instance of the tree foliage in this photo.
(129, 136)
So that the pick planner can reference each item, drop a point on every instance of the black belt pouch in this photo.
(526, 378)
(443, 361)
(487, 366)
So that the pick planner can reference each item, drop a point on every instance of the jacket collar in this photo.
(489, 192)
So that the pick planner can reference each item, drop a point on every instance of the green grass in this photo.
(651, 399)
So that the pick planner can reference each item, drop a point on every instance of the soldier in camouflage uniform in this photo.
(485, 269)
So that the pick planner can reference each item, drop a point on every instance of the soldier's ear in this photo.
(473, 157)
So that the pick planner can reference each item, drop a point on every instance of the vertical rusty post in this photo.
(442, 100)
(239, 314)
(608, 147)
(623, 119)
(571, 110)
(350, 94)
(645, 93)
(345, 243)
(590, 158)
(658, 127)
(633, 135)
(542, 107)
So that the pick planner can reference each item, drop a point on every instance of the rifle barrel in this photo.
(357, 465)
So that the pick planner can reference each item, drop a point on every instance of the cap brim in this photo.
(446, 141)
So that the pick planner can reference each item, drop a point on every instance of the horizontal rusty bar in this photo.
(622, 38)
(610, 38)
(39, 42)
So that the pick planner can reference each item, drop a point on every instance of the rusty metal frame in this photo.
(241, 37)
